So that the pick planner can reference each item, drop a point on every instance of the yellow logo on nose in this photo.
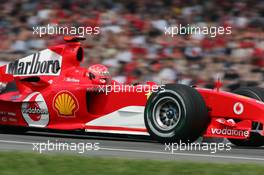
(65, 104)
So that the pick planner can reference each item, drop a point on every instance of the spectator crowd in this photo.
(132, 42)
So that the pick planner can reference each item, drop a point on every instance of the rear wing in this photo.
(45, 62)
(23, 70)
(39, 68)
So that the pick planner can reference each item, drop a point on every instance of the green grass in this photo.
(46, 164)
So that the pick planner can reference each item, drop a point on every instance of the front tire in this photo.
(176, 113)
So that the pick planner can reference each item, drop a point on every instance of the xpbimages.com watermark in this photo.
(65, 30)
(80, 147)
(188, 29)
(127, 88)
(207, 147)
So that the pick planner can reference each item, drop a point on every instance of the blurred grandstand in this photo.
(132, 41)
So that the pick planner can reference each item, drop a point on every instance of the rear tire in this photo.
(176, 113)
(255, 139)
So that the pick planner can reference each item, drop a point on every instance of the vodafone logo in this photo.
(238, 108)
(35, 111)
(230, 132)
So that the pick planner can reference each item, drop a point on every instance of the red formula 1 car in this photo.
(50, 89)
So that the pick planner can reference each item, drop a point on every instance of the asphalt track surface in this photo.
(132, 148)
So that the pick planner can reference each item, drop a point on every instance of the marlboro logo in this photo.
(45, 62)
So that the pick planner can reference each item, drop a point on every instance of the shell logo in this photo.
(65, 104)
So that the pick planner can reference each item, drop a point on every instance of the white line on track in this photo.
(16, 142)
(185, 154)
(156, 152)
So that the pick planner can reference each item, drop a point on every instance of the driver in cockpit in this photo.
(99, 74)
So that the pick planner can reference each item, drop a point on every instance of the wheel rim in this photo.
(167, 113)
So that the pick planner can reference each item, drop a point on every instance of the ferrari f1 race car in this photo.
(49, 89)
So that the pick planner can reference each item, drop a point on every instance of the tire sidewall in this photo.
(150, 109)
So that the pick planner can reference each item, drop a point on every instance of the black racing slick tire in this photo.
(176, 113)
(255, 139)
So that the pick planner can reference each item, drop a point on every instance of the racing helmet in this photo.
(99, 74)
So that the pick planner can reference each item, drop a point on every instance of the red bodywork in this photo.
(60, 95)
